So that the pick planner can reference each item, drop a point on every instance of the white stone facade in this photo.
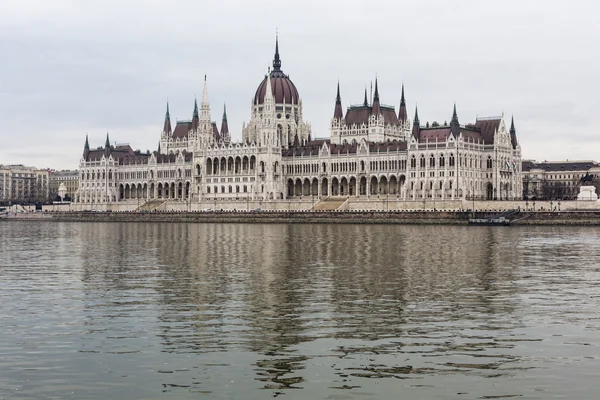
(371, 152)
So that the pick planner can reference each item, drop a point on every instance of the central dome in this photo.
(282, 87)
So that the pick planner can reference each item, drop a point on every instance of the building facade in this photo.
(70, 178)
(22, 184)
(558, 180)
(372, 151)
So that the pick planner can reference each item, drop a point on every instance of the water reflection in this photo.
(300, 310)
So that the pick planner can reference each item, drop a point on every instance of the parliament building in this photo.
(373, 150)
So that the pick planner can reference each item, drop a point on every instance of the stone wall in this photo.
(352, 204)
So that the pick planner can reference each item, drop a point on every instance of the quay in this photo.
(438, 217)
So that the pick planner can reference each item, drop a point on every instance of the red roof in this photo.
(487, 127)
(182, 129)
(282, 88)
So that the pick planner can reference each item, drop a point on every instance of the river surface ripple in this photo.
(225, 311)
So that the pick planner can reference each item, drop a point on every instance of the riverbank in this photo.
(567, 218)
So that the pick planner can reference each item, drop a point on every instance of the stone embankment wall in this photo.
(373, 203)
(575, 218)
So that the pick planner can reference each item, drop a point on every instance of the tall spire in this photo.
(195, 117)
(224, 126)
(513, 133)
(402, 114)
(107, 145)
(366, 102)
(454, 125)
(205, 91)
(338, 113)
(376, 108)
(416, 125)
(167, 125)
(276, 60)
(86, 147)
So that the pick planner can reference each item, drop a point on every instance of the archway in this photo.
(344, 186)
(335, 187)
(352, 187)
(324, 187)
(374, 186)
(363, 186)
(489, 191)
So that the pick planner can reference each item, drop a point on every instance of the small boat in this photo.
(499, 221)
(495, 220)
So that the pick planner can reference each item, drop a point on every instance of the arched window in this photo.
(208, 189)
(442, 161)
(489, 163)
(422, 161)
(432, 161)
(413, 162)
(452, 160)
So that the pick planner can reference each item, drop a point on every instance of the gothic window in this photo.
(422, 161)
(442, 161)
(432, 161)
(489, 163)
(452, 160)
(208, 189)
(413, 162)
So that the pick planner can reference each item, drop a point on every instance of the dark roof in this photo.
(282, 88)
(584, 165)
(313, 148)
(487, 127)
(181, 129)
(435, 134)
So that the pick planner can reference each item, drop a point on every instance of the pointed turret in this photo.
(195, 117)
(276, 60)
(376, 108)
(158, 151)
(454, 125)
(107, 146)
(205, 91)
(224, 126)
(402, 114)
(296, 141)
(86, 148)
(416, 127)
(366, 101)
(167, 126)
(513, 133)
(204, 108)
(338, 113)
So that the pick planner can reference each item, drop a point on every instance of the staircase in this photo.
(151, 205)
(330, 203)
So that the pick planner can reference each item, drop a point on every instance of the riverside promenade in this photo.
(566, 218)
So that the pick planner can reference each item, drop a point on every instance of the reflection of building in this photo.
(550, 180)
(372, 151)
(19, 183)
(70, 178)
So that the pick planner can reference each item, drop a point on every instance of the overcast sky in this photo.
(68, 68)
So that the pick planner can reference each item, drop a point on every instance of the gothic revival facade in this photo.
(372, 151)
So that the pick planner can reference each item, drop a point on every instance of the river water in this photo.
(225, 311)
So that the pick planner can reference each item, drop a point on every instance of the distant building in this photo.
(556, 180)
(21, 184)
(372, 151)
(69, 177)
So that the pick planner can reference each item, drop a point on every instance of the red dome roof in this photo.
(282, 87)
